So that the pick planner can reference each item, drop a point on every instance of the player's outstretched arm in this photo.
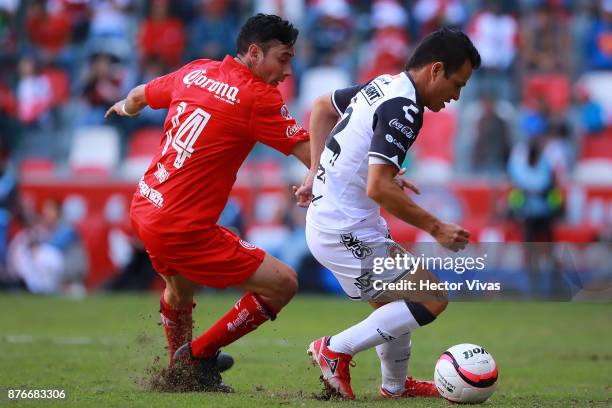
(322, 120)
(131, 105)
(386, 192)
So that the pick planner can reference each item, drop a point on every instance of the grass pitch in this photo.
(549, 354)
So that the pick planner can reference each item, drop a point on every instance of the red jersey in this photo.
(218, 110)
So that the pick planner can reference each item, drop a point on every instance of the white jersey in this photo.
(380, 121)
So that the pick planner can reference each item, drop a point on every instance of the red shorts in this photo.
(217, 257)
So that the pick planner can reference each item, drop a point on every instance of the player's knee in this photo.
(290, 282)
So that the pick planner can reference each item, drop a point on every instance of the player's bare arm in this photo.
(384, 190)
(131, 105)
(322, 120)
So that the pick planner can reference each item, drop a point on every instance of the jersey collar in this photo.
(416, 93)
(230, 63)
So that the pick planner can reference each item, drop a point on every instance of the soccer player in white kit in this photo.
(354, 172)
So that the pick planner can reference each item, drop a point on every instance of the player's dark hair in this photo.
(451, 47)
(263, 28)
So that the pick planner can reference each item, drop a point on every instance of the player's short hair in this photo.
(451, 47)
(261, 29)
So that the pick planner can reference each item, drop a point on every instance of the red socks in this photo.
(177, 325)
(246, 315)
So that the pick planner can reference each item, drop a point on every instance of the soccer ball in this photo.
(466, 373)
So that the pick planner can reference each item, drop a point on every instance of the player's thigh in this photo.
(347, 256)
(272, 278)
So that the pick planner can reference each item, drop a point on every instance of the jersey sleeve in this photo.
(158, 91)
(272, 124)
(396, 124)
(341, 98)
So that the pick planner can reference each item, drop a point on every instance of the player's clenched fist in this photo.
(451, 236)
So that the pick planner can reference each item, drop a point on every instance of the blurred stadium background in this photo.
(525, 155)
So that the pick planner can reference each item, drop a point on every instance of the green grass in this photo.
(549, 354)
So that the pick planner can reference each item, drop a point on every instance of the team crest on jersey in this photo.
(247, 245)
(161, 174)
(357, 247)
(285, 112)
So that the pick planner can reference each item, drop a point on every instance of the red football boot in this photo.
(413, 388)
(334, 367)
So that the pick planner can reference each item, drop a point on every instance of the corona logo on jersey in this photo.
(221, 90)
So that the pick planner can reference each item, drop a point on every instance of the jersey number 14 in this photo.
(187, 133)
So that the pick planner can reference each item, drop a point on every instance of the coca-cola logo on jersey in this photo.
(293, 130)
(221, 90)
(396, 124)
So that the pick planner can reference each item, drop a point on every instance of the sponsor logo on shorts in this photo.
(364, 282)
(247, 245)
(293, 130)
(155, 197)
(357, 247)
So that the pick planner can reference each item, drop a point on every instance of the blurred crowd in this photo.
(536, 115)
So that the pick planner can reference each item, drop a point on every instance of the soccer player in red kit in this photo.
(217, 111)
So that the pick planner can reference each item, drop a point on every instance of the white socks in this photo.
(394, 357)
(383, 325)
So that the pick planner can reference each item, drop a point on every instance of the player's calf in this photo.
(269, 289)
(176, 304)
(177, 324)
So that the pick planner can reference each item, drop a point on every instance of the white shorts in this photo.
(350, 256)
